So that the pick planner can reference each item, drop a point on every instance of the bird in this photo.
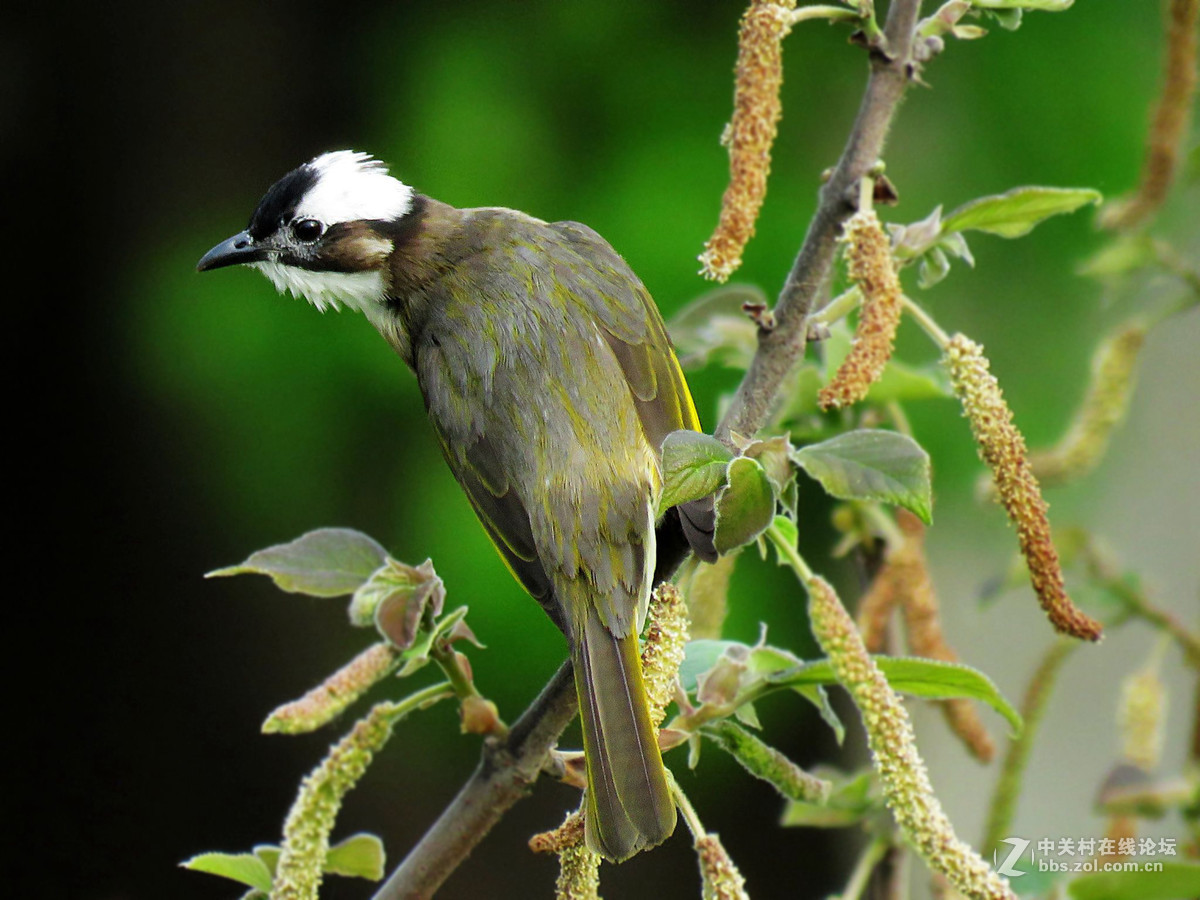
(550, 382)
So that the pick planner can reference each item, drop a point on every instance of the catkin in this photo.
(1002, 448)
(902, 773)
(750, 133)
(871, 266)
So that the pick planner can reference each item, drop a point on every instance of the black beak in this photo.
(236, 250)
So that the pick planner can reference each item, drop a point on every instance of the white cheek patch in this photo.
(352, 186)
(363, 291)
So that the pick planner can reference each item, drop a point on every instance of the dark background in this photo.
(166, 424)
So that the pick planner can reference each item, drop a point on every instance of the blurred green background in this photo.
(169, 424)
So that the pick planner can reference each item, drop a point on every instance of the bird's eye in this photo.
(307, 230)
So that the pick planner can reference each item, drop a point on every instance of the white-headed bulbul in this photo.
(550, 382)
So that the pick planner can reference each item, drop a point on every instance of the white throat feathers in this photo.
(363, 291)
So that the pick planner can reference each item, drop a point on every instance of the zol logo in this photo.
(1007, 867)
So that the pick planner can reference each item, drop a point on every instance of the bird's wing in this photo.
(633, 327)
(502, 514)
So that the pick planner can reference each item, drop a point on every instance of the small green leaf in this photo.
(358, 856)
(774, 454)
(787, 530)
(956, 245)
(1176, 880)
(911, 240)
(392, 580)
(870, 464)
(929, 678)
(1016, 212)
(403, 598)
(244, 868)
(934, 266)
(417, 655)
(729, 672)
(329, 562)
(714, 328)
(693, 466)
(745, 507)
(699, 657)
(819, 697)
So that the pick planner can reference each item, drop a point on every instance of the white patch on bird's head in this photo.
(363, 291)
(351, 186)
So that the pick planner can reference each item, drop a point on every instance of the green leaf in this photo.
(329, 562)
(358, 856)
(787, 530)
(932, 679)
(1175, 881)
(870, 464)
(700, 656)
(1016, 212)
(693, 466)
(244, 868)
(269, 854)
(819, 697)
(714, 328)
(745, 507)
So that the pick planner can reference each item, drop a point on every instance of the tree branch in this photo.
(506, 772)
(508, 769)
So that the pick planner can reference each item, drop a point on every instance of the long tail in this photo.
(629, 805)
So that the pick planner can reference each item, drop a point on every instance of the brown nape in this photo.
(427, 242)
(355, 247)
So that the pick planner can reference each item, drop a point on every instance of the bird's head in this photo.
(324, 231)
